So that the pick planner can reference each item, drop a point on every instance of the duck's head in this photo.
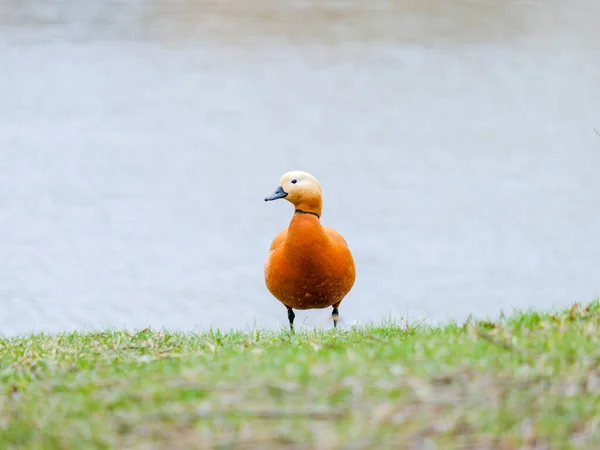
(301, 189)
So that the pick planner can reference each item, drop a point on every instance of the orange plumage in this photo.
(309, 265)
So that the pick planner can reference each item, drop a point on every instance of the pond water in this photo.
(455, 146)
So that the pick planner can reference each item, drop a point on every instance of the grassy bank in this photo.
(526, 381)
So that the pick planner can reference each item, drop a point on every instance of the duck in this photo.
(309, 265)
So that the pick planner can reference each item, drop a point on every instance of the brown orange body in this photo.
(309, 266)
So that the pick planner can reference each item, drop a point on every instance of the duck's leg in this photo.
(335, 315)
(291, 317)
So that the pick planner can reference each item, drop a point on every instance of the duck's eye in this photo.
(294, 181)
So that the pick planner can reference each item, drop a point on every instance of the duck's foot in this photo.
(335, 315)
(291, 317)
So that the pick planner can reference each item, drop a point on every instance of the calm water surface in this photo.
(455, 146)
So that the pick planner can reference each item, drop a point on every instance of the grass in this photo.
(529, 380)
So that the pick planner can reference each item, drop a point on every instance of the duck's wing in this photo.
(279, 239)
(335, 236)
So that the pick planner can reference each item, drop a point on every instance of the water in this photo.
(454, 144)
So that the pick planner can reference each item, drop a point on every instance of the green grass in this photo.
(529, 380)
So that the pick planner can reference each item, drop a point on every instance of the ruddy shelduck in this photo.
(309, 266)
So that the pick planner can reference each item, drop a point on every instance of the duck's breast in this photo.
(311, 267)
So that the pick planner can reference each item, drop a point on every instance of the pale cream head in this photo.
(300, 189)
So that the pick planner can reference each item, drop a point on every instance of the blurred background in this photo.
(138, 138)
